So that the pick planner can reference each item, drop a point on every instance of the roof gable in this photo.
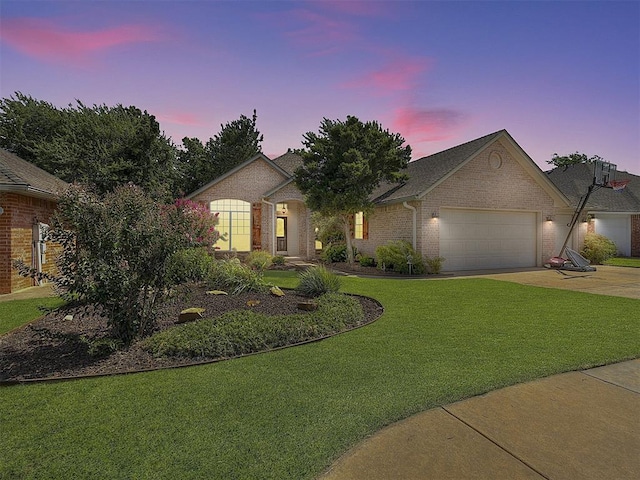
(427, 173)
(233, 171)
(18, 175)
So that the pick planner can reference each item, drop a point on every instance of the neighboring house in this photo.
(614, 214)
(483, 204)
(28, 197)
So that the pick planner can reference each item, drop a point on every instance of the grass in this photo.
(624, 262)
(18, 312)
(289, 414)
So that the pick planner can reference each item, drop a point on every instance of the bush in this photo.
(333, 253)
(434, 264)
(316, 281)
(259, 260)
(278, 260)
(231, 274)
(366, 260)
(598, 248)
(189, 265)
(394, 255)
(115, 251)
(244, 331)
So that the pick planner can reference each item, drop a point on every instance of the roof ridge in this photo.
(462, 145)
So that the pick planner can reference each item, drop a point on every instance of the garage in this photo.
(616, 228)
(487, 239)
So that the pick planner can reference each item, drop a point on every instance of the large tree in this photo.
(236, 142)
(100, 145)
(344, 163)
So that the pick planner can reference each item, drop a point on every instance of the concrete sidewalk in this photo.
(577, 425)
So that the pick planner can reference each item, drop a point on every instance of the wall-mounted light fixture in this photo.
(1, 210)
(549, 218)
(434, 215)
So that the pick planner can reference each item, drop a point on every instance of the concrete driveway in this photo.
(607, 280)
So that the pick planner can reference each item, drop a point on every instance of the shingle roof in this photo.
(425, 172)
(574, 182)
(288, 162)
(17, 174)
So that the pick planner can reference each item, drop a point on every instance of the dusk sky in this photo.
(559, 76)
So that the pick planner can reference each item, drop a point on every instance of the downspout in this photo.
(415, 224)
(273, 226)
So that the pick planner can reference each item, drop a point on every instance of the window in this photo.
(234, 222)
(358, 226)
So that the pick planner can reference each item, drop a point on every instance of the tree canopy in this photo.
(572, 159)
(100, 145)
(236, 142)
(344, 163)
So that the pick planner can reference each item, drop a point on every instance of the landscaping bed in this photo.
(53, 347)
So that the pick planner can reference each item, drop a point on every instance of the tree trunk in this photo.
(347, 237)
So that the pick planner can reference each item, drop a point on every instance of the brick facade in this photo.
(20, 214)
(250, 184)
(476, 185)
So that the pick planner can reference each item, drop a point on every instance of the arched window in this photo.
(234, 222)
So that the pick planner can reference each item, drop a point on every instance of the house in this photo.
(614, 214)
(28, 197)
(482, 204)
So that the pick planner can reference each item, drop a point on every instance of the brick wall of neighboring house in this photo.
(16, 237)
(635, 235)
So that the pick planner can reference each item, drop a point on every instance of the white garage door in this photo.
(616, 228)
(478, 239)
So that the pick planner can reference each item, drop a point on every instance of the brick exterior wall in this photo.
(635, 235)
(250, 185)
(16, 237)
(477, 185)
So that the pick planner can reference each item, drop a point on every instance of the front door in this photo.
(281, 234)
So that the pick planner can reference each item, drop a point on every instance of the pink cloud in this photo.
(48, 41)
(399, 75)
(181, 118)
(426, 125)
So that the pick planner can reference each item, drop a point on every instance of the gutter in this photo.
(28, 190)
(415, 223)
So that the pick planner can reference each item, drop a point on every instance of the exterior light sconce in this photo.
(549, 218)
(1, 210)
(434, 215)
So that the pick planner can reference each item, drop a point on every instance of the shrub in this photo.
(316, 281)
(116, 248)
(333, 253)
(394, 256)
(598, 248)
(244, 331)
(189, 265)
(278, 260)
(366, 260)
(434, 264)
(234, 275)
(259, 260)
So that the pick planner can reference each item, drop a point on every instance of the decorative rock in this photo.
(216, 292)
(68, 318)
(253, 303)
(277, 292)
(307, 306)
(190, 314)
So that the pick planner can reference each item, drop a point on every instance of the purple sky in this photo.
(559, 76)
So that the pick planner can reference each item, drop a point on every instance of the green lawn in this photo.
(18, 312)
(289, 414)
(624, 262)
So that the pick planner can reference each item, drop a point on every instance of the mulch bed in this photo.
(54, 348)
